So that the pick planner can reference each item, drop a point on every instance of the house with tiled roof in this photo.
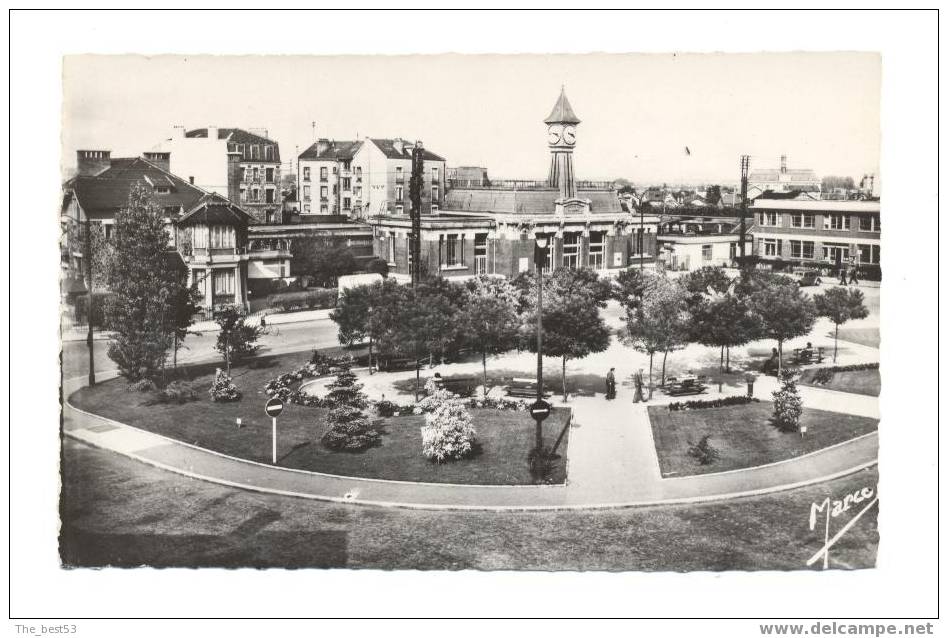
(381, 168)
(241, 165)
(325, 180)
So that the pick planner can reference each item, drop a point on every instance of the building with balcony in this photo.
(326, 183)
(823, 233)
(492, 229)
(243, 166)
(381, 173)
(690, 242)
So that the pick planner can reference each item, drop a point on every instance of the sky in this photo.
(639, 112)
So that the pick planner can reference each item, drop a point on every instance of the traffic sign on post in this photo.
(540, 409)
(274, 408)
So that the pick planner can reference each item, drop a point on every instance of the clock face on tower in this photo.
(569, 135)
(555, 133)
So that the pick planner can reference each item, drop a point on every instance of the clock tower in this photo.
(561, 136)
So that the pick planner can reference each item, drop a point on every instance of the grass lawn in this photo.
(744, 436)
(863, 336)
(866, 382)
(117, 511)
(504, 437)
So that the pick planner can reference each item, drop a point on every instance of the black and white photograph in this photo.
(589, 311)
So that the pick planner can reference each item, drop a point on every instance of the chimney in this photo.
(212, 132)
(783, 163)
(322, 145)
(234, 175)
(399, 145)
(92, 162)
(161, 159)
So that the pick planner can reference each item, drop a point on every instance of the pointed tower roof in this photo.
(562, 112)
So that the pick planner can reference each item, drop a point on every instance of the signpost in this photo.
(540, 409)
(274, 408)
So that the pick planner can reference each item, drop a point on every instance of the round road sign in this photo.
(274, 407)
(540, 409)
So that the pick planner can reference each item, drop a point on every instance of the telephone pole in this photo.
(745, 166)
(414, 195)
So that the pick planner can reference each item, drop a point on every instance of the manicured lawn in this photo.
(866, 382)
(504, 437)
(862, 336)
(744, 436)
(117, 511)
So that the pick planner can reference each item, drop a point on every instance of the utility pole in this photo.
(642, 237)
(414, 194)
(87, 253)
(539, 259)
(745, 166)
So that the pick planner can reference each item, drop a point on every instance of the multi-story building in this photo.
(241, 165)
(821, 233)
(381, 172)
(325, 180)
(493, 229)
(690, 242)
(783, 180)
(461, 176)
(208, 230)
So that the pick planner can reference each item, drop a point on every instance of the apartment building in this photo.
(326, 183)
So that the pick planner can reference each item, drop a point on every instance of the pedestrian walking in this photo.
(852, 277)
(263, 321)
(842, 276)
(611, 384)
(638, 397)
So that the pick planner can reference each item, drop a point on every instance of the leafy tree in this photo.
(488, 321)
(840, 305)
(788, 406)
(720, 316)
(143, 283)
(697, 282)
(784, 311)
(396, 324)
(629, 287)
(322, 260)
(831, 182)
(713, 194)
(236, 339)
(660, 322)
(351, 314)
(574, 282)
(438, 303)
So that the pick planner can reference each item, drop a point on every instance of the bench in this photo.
(801, 356)
(523, 389)
(395, 363)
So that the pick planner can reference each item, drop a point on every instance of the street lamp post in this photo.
(539, 258)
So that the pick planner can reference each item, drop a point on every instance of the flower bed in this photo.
(701, 404)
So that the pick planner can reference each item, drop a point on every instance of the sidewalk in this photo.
(272, 319)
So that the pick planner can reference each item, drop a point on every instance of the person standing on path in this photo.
(638, 397)
(611, 384)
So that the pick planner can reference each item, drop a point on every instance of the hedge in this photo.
(318, 298)
(700, 404)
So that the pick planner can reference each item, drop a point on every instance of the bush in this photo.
(349, 430)
(223, 389)
(386, 408)
(704, 451)
(318, 298)
(700, 404)
(822, 376)
(377, 265)
(788, 406)
(142, 385)
(448, 433)
(176, 392)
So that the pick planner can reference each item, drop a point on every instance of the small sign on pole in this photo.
(540, 409)
(274, 408)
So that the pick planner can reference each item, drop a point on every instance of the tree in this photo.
(141, 310)
(488, 321)
(395, 324)
(438, 302)
(784, 311)
(322, 260)
(351, 314)
(659, 322)
(840, 305)
(236, 339)
(831, 182)
(377, 265)
(185, 304)
(349, 428)
(788, 406)
(713, 195)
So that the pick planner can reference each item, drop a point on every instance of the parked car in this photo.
(807, 276)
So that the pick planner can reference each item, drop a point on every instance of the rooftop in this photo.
(390, 149)
(851, 206)
(236, 136)
(562, 112)
(331, 150)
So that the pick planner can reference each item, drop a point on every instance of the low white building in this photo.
(692, 242)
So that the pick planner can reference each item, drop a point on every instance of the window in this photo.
(222, 236)
(270, 195)
(223, 282)
(597, 250)
(800, 220)
(346, 165)
(347, 202)
(255, 194)
(358, 192)
(836, 253)
(706, 252)
(868, 254)
(452, 251)
(324, 192)
(107, 228)
(243, 194)
(638, 242)
(399, 193)
(571, 242)
(399, 175)
(323, 174)
(434, 193)
(254, 151)
(772, 247)
(162, 189)
(434, 208)
(242, 149)
(323, 209)
(306, 194)
(256, 173)
(480, 253)
(399, 209)
(769, 219)
(358, 173)
(346, 183)
(306, 173)
(335, 170)
(270, 175)
(434, 175)
(391, 248)
(306, 208)
(801, 249)
(268, 152)
(246, 177)
(836, 222)
(869, 223)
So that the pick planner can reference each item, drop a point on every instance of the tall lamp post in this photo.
(540, 410)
